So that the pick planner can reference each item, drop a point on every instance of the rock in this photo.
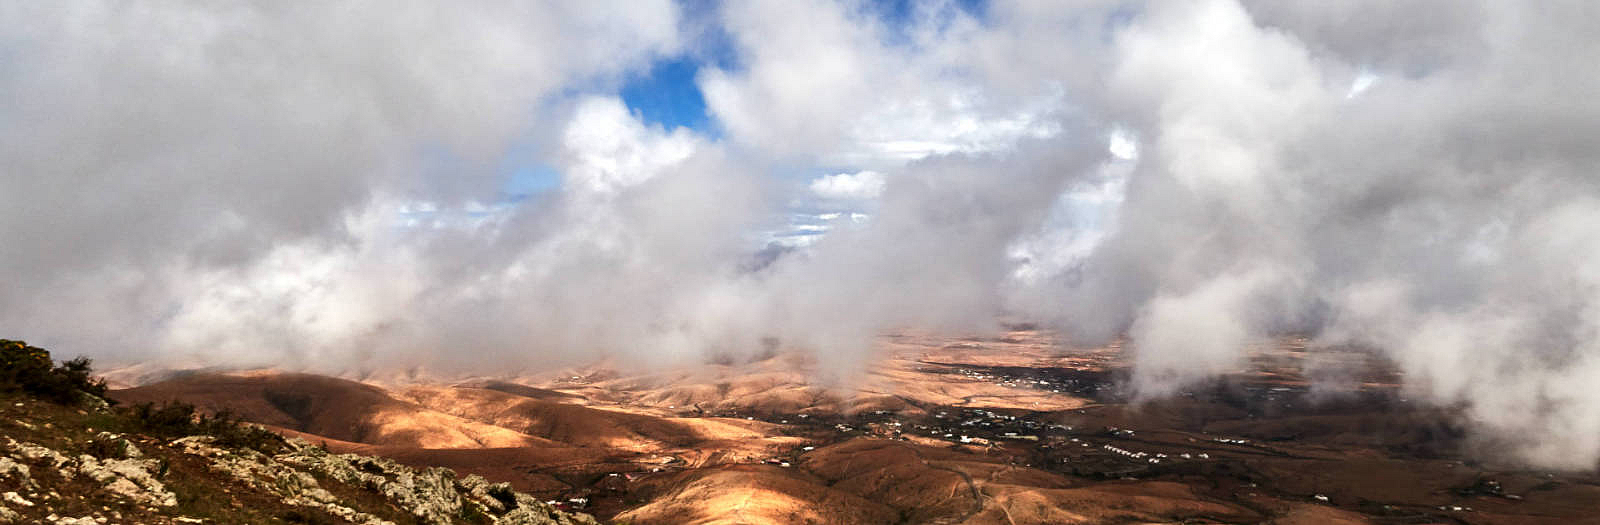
(33, 452)
(484, 493)
(9, 468)
(94, 402)
(125, 449)
(258, 470)
(540, 513)
(197, 445)
(129, 478)
(86, 520)
(531, 511)
(16, 499)
(433, 495)
(430, 494)
(9, 516)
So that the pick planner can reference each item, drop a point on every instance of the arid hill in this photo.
(1007, 430)
(68, 457)
(328, 407)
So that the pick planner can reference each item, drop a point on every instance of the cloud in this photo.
(828, 81)
(233, 184)
(862, 185)
(608, 151)
(148, 144)
(1267, 200)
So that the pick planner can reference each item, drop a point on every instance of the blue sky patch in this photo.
(899, 15)
(668, 96)
(526, 181)
(710, 43)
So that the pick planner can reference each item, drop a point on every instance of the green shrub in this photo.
(30, 369)
(176, 419)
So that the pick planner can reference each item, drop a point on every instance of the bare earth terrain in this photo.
(1011, 430)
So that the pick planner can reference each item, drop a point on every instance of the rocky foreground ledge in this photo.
(56, 467)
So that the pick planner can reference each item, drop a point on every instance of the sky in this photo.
(485, 186)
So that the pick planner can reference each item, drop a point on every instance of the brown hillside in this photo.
(326, 406)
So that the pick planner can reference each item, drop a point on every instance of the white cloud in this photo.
(608, 150)
(821, 82)
(862, 185)
(1361, 84)
(173, 141)
(1123, 145)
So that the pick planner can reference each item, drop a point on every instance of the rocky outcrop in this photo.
(35, 453)
(263, 472)
(10, 469)
(432, 495)
(130, 478)
(122, 470)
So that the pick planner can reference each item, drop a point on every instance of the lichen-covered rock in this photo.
(16, 499)
(493, 496)
(86, 520)
(196, 445)
(264, 472)
(37, 453)
(433, 495)
(430, 495)
(94, 402)
(535, 512)
(129, 478)
(531, 511)
(10, 469)
(124, 449)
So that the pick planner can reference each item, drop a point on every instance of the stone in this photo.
(16, 499)
(9, 468)
(129, 478)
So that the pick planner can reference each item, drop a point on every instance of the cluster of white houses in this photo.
(1148, 457)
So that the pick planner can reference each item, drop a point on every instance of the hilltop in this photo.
(67, 456)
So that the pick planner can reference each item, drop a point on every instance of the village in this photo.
(1107, 439)
(1031, 438)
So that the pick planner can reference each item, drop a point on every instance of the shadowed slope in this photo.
(326, 406)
